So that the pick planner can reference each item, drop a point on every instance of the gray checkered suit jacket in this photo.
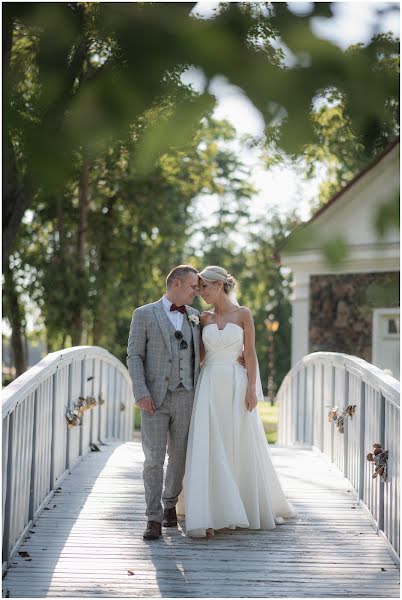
(149, 351)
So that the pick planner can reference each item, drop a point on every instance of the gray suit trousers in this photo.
(167, 427)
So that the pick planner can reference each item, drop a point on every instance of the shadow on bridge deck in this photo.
(88, 542)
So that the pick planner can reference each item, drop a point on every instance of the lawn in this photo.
(268, 414)
(137, 418)
(269, 418)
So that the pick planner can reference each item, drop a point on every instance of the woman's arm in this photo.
(250, 357)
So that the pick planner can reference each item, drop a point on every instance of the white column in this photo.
(300, 314)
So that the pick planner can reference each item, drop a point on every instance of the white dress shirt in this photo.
(175, 317)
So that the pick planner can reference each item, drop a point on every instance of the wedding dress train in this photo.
(230, 480)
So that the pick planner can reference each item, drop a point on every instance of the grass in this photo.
(268, 414)
(137, 418)
(269, 418)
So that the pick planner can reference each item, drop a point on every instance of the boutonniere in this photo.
(194, 319)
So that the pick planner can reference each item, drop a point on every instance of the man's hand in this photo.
(147, 404)
(240, 359)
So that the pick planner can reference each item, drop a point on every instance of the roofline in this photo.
(342, 191)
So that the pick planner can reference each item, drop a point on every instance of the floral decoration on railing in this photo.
(350, 410)
(339, 417)
(380, 459)
(87, 403)
(74, 414)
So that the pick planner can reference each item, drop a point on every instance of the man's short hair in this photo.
(179, 272)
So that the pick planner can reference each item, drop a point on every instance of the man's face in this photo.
(187, 288)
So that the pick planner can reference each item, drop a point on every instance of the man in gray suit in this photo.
(163, 359)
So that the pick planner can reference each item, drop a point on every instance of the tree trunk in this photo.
(60, 226)
(16, 199)
(80, 296)
(101, 306)
(49, 342)
(18, 191)
(15, 317)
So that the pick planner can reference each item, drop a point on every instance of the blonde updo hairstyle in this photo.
(214, 273)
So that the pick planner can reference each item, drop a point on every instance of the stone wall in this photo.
(341, 310)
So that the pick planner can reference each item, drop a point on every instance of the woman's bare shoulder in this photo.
(246, 315)
(244, 311)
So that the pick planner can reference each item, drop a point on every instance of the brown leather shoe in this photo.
(153, 531)
(170, 517)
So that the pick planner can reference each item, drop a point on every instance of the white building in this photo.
(353, 307)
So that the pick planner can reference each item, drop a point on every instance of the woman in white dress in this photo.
(230, 480)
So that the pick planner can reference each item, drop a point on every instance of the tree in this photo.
(134, 230)
(339, 151)
(85, 85)
(266, 288)
(17, 322)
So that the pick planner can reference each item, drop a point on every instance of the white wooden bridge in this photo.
(73, 518)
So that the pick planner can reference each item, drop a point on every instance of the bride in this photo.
(229, 480)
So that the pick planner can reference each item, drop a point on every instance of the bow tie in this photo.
(181, 308)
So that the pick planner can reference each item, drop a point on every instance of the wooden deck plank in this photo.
(89, 541)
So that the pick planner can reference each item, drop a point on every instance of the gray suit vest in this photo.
(182, 360)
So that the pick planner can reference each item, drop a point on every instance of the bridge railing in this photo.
(44, 439)
(327, 382)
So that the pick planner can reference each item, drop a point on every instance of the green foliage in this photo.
(340, 150)
(335, 251)
(137, 419)
(382, 293)
(388, 216)
(136, 231)
(84, 86)
(98, 86)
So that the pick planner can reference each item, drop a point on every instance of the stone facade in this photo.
(341, 310)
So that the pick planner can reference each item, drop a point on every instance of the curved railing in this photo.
(52, 415)
(327, 382)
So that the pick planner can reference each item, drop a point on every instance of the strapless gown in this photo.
(230, 480)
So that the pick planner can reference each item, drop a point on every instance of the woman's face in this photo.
(209, 291)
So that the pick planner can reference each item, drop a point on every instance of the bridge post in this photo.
(82, 393)
(69, 399)
(92, 414)
(362, 417)
(52, 443)
(323, 408)
(114, 411)
(9, 491)
(301, 406)
(4, 460)
(332, 404)
(33, 457)
(381, 441)
(100, 406)
(295, 385)
(313, 404)
(346, 428)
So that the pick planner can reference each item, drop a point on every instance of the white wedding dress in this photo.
(230, 480)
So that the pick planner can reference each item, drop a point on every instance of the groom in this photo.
(163, 359)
